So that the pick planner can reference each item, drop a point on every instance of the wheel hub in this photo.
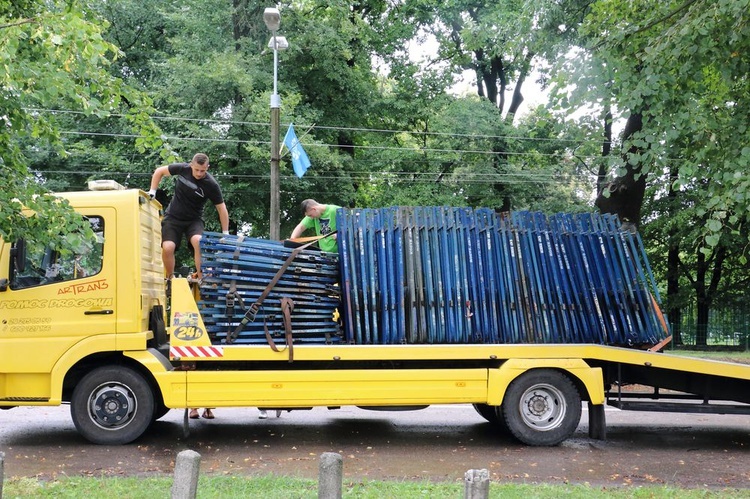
(538, 405)
(542, 407)
(112, 406)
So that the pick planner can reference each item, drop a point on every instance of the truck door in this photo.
(55, 302)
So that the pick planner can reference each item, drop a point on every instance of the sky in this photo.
(426, 48)
(533, 94)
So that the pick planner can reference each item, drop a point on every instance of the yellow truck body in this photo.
(94, 337)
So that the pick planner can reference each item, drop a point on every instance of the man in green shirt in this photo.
(322, 218)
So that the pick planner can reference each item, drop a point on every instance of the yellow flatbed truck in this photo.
(89, 330)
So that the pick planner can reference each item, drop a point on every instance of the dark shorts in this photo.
(173, 230)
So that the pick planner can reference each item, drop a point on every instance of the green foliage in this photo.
(208, 70)
(465, 155)
(674, 221)
(684, 65)
(53, 55)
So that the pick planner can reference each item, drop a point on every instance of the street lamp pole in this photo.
(275, 183)
(272, 19)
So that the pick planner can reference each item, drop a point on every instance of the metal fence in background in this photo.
(727, 327)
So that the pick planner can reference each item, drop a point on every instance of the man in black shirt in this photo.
(184, 216)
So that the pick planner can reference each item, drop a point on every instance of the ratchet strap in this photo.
(232, 294)
(287, 307)
(255, 307)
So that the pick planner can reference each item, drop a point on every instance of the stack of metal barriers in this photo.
(461, 275)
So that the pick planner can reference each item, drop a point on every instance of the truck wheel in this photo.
(160, 411)
(487, 412)
(542, 407)
(112, 405)
(492, 413)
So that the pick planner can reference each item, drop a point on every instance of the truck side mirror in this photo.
(18, 255)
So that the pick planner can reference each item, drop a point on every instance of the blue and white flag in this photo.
(300, 161)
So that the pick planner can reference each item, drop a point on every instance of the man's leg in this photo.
(195, 242)
(171, 234)
(167, 256)
(194, 234)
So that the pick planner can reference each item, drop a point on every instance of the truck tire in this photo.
(492, 414)
(112, 405)
(488, 412)
(542, 407)
(160, 410)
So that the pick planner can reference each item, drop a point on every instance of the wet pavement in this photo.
(439, 443)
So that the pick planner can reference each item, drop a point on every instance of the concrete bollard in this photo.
(2, 472)
(477, 484)
(330, 476)
(186, 470)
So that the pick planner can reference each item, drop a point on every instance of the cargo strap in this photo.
(232, 294)
(255, 307)
(302, 240)
(659, 346)
(287, 307)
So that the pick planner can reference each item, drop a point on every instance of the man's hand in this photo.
(224, 237)
(152, 193)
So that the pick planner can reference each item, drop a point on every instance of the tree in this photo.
(52, 55)
(682, 70)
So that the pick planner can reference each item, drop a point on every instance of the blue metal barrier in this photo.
(446, 276)
(457, 275)
(240, 269)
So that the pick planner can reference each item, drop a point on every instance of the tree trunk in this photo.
(701, 325)
(674, 312)
(499, 83)
(517, 98)
(601, 176)
(492, 79)
(624, 195)
(704, 293)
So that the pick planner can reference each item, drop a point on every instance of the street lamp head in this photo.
(272, 18)
(281, 43)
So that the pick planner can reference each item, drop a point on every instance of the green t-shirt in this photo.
(323, 226)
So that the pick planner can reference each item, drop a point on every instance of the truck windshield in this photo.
(43, 265)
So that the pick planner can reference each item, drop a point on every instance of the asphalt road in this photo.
(439, 443)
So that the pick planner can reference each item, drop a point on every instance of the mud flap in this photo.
(186, 424)
(597, 422)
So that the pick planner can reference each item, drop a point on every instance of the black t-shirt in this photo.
(190, 194)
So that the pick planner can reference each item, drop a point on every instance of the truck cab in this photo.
(58, 311)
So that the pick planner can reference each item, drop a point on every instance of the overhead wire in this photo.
(443, 154)
(312, 144)
(419, 177)
(331, 128)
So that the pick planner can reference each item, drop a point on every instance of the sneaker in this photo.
(262, 414)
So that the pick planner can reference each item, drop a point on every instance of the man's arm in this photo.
(159, 173)
(298, 231)
(221, 209)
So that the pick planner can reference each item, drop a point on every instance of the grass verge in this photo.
(273, 487)
(741, 357)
